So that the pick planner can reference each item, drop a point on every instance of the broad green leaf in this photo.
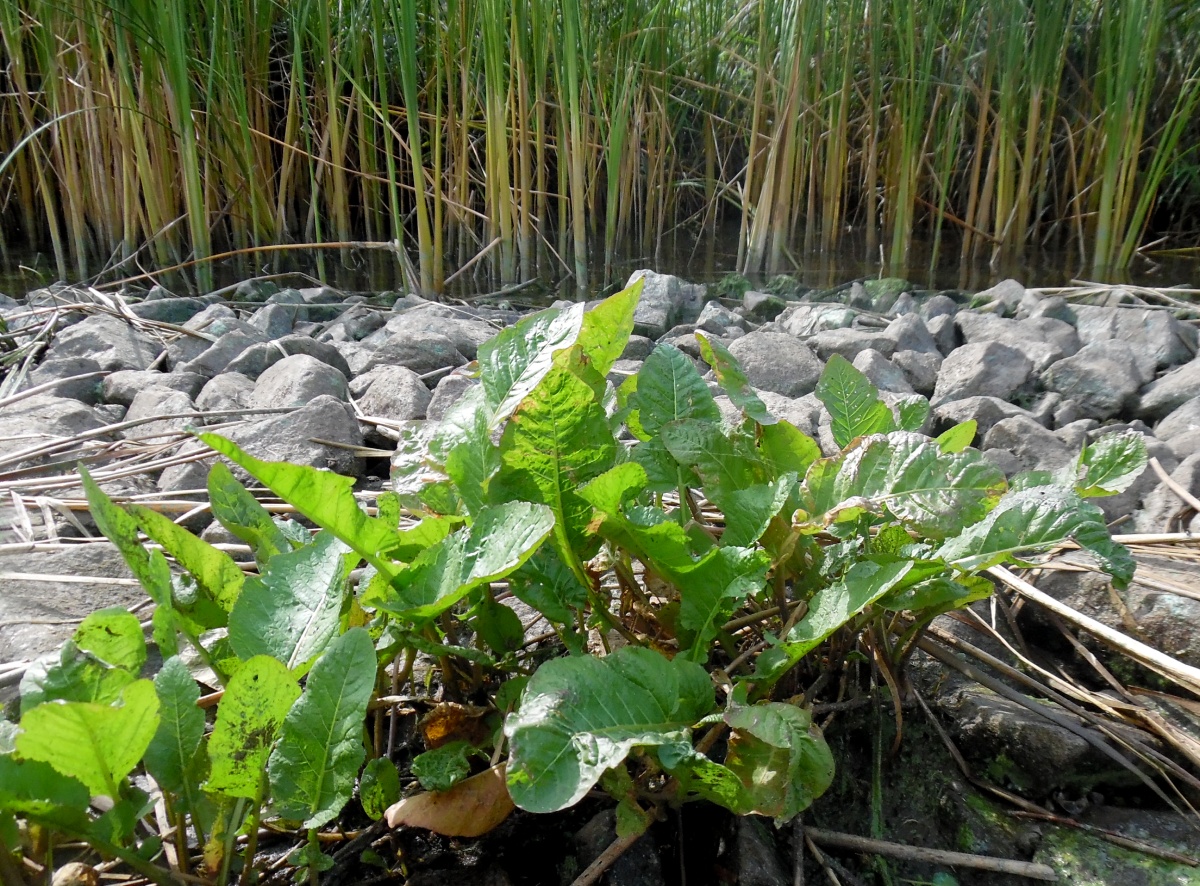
(927, 489)
(911, 413)
(546, 584)
(733, 381)
(607, 327)
(514, 362)
(713, 587)
(239, 512)
(148, 567)
(852, 401)
(669, 388)
(701, 777)
(424, 534)
(218, 577)
(322, 496)
(378, 787)
(114, 636)
(1033, 520)
(1111, 464)
(313, 768)
(73, 674)
(749, 509)
(730, 462)
(293, 610)
(663, 472)
(557, 439)
(497, 625)
(785, 448)
(582, 715)
(250, 715)
(959, 437)
(940, 592)
(171, 755)
(35, 788)
(829, 609)
(500, 540)
(97, 744)
(1029, 479)
(473, 461)
(779, 756)
(608, 492)
(443, 767)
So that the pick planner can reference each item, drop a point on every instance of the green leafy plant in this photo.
(691, 566)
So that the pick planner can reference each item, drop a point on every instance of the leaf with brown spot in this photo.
(449, 722)
(469, 809)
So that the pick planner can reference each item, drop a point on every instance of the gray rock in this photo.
(467, 334)
(1042, 339)
(217, 357)
(1034, 447)
(717, 319)
(803, 412)
(173, 310)
(1054, 306)
(684, 341)
(24, 603)
(1101, 378)
(290, 437)
(296, 380)
(43, 418)
(356, 354)
(108, 340)
(1163, 510)
(1075, 434)
(1003, 298)
(150, 403)
(637, 348)
(758, 861)
(1166, 394)
(985, 369)
(229, 390)
(945, 332)
(986, 412)
(256, 359)
(881, 372)
(1181, 420)
(661, 304)
(938, 306)
(422, 352)
(777, 362)
(908, 332)
(65, 372)
(851, 342)
(920, 369)
(809, 318)
(355, 324)
(762, 306)
(1183, 445)
(392, 392)
(1154, 334)
(448, 392)
(275, 321)
(214, 313)
(121, 387)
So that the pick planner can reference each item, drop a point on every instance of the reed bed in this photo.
(545, 135)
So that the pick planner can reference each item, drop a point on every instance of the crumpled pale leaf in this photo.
(469, 809)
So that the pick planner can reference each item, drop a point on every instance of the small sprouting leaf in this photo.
(148, 567)
(293, 610)
(927, 489)
(313, 768)
(171, 755)
(514, 362)
(1111, 464)
(607, 327)
(852, 401)
(912, 412)
(471, 808)
(322, 496)
(779, 756)
(582, 715)
(669, 388)
(500, 540)
(378, 787)
(959, 437)
(97, 744)
(734, 382)
(249, 717)
(1036, 519)
(445, 766)
(239, 511)
(217, 576)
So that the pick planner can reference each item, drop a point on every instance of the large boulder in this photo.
(42, 419)
(983, 369)
(849, 343)
(73, 377)
(217, 357)
(110, 341)
(1155, 334)
(391, 392)
(775, 361)
(228, 391)
(1042, 339)
(297, 380)
(256, 359)
(1102, 378)
(1166, 394)
(153, 404)
(121, 387)
(1182, 420)
(422, 352)
(1022, 444)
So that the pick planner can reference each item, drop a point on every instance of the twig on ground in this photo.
(605, 860)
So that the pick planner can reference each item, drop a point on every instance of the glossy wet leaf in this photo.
(171, 755)
(607, 327)
(217, 576)
(670, 388)
(313, 768)
(294, 609)
(1034, 520)
(378, 787)
(514, 362)
(582, 715)
(238, 510)
(1111, 464)
(471, 808)
(931, 491)
(97, 744)
(733, 381)
(853, 403)
(498, 542)
(249, 718)
(322, 496)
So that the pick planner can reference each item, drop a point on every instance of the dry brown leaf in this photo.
(455, 722)
(76, 874)
(469, 809)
